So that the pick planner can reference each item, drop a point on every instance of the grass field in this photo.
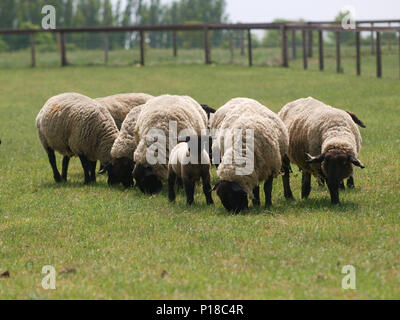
(113, 243)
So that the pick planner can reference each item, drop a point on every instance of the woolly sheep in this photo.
(189, 161)
(122, 164)
(76, 125)
(157, 114)
(327, 133)
(119, 105)
(270, 146)
(350, 180)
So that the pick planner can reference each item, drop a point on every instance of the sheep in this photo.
(158, 114)
(76, 125)
(350, 180)
(189, 161)
(121, 166)
(119, 105)
(270, 146)
(327, 133)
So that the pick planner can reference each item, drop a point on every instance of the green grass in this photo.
(121, 241)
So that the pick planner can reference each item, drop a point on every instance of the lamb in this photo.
(327, 133)
(120, 105)
(154, 123)
(270, 146)
(189, 161)
(121, 166)
(76, 125)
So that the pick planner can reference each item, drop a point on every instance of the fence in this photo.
(306, 29)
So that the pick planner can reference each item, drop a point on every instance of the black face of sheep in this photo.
(146, 180)
(232, 196)
(337, 165)
(120, 171)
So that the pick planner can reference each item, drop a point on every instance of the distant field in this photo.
(261, 57)
(113, 243)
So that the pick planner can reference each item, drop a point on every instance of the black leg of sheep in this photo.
(256, 195)
(206, 179)
(171, 185)
(350, 182)
(189, 190)
(286, 178)
(86, 165)
(305, 185)
(65, 164)
(268, 191)
(53, 163)
(92, 165)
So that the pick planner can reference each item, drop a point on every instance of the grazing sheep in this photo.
(270, 146)
(119, 105)
(350, 180)
(122, 164)
(327, 133)
(157, 114)
(189, 162)
(75, 125)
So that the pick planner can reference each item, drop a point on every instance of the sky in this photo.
(267, 10)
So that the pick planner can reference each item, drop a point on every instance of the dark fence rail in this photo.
(305, 28)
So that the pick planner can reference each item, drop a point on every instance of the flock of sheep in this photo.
(117, 130)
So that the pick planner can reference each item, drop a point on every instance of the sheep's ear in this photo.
(317, 159)
(216, 186)
(356, 162)
(356, 119)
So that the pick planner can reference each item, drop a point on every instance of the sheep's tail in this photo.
(356, 119)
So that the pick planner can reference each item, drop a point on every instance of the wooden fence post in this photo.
(284, 44)
(249, 47)
(64, 61)
(294, 53)
(390, 38)
(33, 54)
(142, 44)
(304, 40)
(378, 55)
(338, 57)
(310, 44)
(372, 40)
(105, 47)
(358, 53)
(230, 46)
(321, 49)
(241, 42)
(206, 46)
(174, 44)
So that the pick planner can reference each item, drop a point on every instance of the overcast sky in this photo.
(268, 10)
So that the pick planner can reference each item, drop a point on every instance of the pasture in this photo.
(111, 243)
